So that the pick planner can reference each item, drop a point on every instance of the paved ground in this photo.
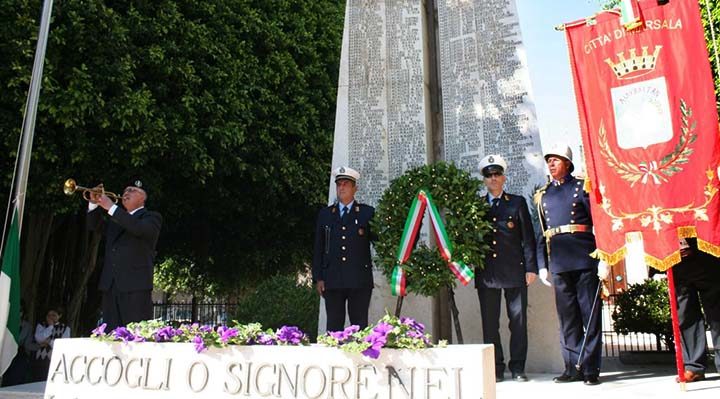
(637, 382)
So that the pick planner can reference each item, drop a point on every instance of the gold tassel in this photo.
(663, 264)
(687, 232)
(709, 248)
(610, 259)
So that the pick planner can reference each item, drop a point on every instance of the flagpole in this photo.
(28, 129)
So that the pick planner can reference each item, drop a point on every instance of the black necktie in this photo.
(344, 212)
(495, 201)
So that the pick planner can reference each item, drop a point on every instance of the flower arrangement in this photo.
(203, 336)
(389, 332)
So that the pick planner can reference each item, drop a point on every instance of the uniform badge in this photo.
(357, 208)
(333, 210)
(510, 225)
(361, 231)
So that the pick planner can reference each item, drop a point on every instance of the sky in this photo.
(549, 66)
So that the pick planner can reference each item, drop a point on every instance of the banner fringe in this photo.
(657, 263)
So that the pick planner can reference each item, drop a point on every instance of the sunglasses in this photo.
(496, 174)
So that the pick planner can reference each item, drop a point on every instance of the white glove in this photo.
(603, 270)
(543, 275)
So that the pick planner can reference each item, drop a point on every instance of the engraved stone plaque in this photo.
(487, 107)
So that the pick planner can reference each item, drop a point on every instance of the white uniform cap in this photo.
(494, 163)
(346, 173)
(561, 151)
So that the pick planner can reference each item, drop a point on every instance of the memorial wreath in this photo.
(453, 195)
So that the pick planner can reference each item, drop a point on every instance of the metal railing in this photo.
(614, 343)
(209, 313)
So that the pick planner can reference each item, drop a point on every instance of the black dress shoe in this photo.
(499, 378)
(592, 380)
(568, 378)
(519, 377)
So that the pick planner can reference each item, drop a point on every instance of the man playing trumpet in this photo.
(131, 233)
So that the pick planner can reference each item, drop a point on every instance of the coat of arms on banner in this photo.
(642, 114)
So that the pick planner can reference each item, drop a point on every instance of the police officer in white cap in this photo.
(342, 265)
(511, 266)
(564, 253)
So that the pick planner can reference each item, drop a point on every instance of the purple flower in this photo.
(226, 333)
(266, 339)
(100, 330)
(345, 335)
(414, 334)
(199, 344)
(123, 334)
(290, 335)
(372, 352)
(206, 329)
(165, 334)
(138, 338)
(413, 324)
(377, 339)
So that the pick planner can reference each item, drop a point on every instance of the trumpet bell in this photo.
(69, 187)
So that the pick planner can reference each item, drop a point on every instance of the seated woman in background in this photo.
(45, 335)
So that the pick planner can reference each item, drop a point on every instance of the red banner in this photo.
(649, 125)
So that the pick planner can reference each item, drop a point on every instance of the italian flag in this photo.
(421, 202)
(10, 296)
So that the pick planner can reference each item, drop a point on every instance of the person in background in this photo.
(510, 268)
(46, 333)
(697, 285)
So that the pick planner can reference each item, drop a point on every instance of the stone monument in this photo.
(422, 81)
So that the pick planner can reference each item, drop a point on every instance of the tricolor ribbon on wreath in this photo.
(423, 200)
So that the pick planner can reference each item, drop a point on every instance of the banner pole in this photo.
(679, 363)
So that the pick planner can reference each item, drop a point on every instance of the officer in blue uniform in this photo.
(564, 248)
(342, 265)
(510, 267)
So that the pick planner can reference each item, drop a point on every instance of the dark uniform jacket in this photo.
(129, 248)
(559, 205)
(342, 247)
(512, 245)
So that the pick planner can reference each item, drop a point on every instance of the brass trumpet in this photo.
(70, 187)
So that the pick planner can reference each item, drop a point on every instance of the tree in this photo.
(225, 108)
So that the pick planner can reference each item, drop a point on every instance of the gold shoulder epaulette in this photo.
(539, 193)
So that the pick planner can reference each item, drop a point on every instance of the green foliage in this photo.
(711, 23)
(609, 4)
(645, 308)
(178, 275)
(216, 103)
(455, 194)
(280, 300)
